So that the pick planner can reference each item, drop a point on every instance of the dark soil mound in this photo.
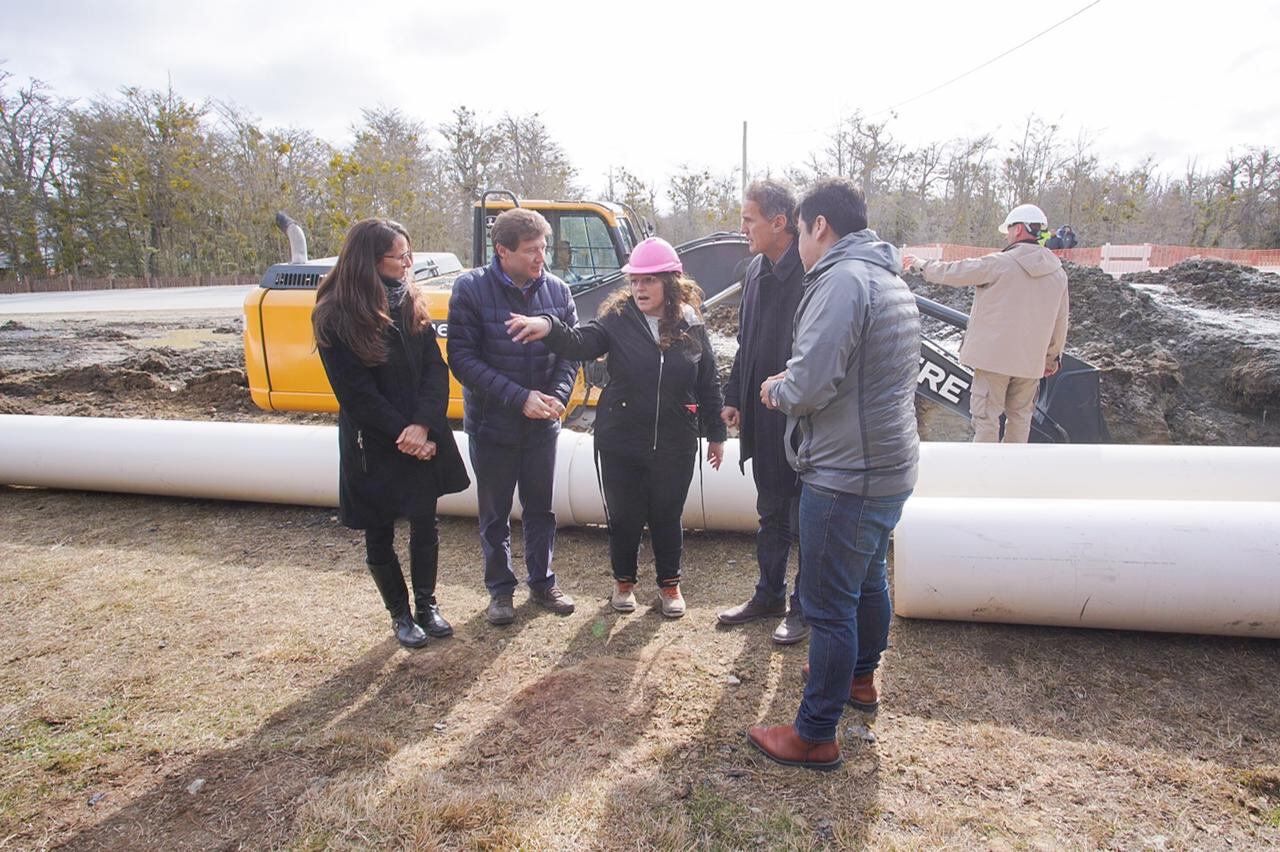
(13, 325)
(154, 362)
(107, 333)
(223, 389)
(1217, 284)
(98, 378)
(723, 319)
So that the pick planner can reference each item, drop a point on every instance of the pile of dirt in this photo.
(13, 325)
(1170, 372)
(224, 389)
(723, 319)
(1218, 284)
(99, 378)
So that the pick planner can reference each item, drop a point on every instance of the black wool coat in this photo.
(770, 295)
(376, 482)
(656, 401)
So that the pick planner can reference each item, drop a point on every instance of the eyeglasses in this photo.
(407, 257)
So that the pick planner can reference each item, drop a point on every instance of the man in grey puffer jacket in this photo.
(849, 396)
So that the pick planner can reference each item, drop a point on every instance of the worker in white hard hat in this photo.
(1018, 325)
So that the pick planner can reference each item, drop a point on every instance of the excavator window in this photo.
(581, 249)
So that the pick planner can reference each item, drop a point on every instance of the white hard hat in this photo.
(1028, 214)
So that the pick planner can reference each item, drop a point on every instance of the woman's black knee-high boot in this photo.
(424, 560)
(390, 582)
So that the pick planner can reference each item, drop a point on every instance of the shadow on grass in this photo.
(352, 723)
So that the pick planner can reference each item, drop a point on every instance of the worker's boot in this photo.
(390, 582)
(424, 561)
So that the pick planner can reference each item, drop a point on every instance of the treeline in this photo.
(148, 183)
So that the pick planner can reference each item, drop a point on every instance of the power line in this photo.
(988, 62)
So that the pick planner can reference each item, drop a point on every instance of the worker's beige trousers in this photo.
(992, 395)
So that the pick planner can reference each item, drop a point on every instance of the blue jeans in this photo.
(844, 589)
(779, 513)
(499, 469)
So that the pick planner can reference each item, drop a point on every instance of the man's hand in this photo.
(1052, 366)
(766, 386)
(413, 442)
(731, 416)
(525, 329)
(911, 263)
(715, 454)
(541, 406)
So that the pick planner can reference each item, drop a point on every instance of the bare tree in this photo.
(33, 128)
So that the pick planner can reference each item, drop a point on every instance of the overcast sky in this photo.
(672, 84)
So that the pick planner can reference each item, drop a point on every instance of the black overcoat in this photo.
(770, 295)
(376, 482)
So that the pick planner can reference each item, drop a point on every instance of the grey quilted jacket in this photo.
(849, 390)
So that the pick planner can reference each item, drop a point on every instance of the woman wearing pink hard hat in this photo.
(663, 396)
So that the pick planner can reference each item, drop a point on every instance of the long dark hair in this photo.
(351, 301)
(677, 291)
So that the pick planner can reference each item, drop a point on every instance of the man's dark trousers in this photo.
(499, 469)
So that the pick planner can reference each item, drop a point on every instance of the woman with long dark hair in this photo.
(397, 453)
(663, 394)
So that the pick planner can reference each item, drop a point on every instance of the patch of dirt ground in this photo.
(207, 675)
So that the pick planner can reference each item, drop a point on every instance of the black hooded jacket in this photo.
(656, 401)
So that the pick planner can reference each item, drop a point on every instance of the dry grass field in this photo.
(183, 674)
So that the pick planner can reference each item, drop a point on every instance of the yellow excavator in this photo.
(589, 245)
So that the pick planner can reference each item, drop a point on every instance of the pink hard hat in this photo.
(652, 256)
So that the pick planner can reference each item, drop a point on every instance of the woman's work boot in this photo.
(390, 582)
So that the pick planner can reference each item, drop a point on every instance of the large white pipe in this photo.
(275, 463)
(1188, 566)
(1099, 471)
(1188, 540)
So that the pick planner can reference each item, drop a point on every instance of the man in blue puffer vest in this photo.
(513, 396)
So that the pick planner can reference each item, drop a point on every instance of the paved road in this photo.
(99, 301)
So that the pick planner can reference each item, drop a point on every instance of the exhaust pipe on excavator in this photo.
(297, 239)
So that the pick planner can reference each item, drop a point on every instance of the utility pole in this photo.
(744, 158)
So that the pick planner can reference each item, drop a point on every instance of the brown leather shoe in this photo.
(863, 694)
(781, 744)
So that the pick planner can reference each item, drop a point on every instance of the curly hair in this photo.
(677, 291)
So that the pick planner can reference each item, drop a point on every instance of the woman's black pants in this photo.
(641, 491)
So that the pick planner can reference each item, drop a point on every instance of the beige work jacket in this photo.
(1018, 326)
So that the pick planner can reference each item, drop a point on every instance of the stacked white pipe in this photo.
(1182, 539)
(1167, 538)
